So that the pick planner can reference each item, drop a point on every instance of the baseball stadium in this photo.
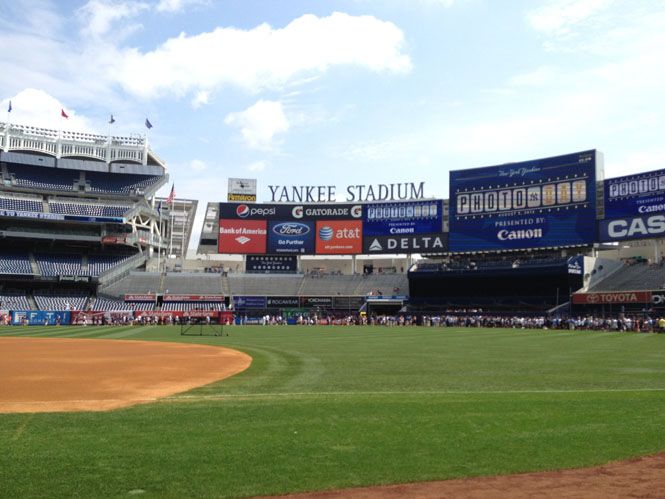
(498, 340)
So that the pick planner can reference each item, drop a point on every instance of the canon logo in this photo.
(509, 235)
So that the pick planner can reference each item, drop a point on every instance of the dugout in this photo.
(527, 289)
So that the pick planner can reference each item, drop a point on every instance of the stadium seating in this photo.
(35, 177)
(634, 277)
(192, 283)
(185, 306)
(59, 264)
(88, 210)
(105, 183)
(101, 304)
(10, 301)
(98, 264)
(15, 263)
(19, 204)
(60, 302)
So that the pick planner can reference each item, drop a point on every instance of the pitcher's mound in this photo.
(59, 374)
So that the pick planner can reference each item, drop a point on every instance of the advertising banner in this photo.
(416, 243)
(413, 217)
(283, 301)
(546, 202)
(276, 211)
(242, 189)
(140, 297)
(631, 228)
(194, 298)
(348, 302)
(291, 238)
(40, 317)
(339, 237)
(240, 302)
(242, 236)
(316, 301)
(635, 195)
(615, 297)
(271, 263)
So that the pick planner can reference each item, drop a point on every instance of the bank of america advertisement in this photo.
(533, 204)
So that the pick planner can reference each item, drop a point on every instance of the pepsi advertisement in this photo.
(545, 202)
(258, 211)
(404, 218)
(292, 238)
(635, 195)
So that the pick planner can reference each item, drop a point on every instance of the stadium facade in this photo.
(84, 238)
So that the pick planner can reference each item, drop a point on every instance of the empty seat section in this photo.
(15, 263)
(18, 204)
(43, 178)
(118, 183)
(87, 210)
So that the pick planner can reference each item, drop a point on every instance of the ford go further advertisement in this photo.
(291, 238)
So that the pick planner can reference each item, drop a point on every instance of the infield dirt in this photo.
(58, 374)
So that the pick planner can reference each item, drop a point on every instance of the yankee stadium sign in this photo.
(354, 193)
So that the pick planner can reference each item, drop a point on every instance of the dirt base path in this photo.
(643, 477)
(58, 374)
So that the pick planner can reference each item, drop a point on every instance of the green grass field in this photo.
(331, 407)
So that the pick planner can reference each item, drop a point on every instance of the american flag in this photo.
(171, 198)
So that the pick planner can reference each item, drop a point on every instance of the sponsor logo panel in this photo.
(417, 217)
(286, 212)
(242, 236)
(415, 243)
(291, 237)
(339, 237)
(617, 297)
(632, 228)
(241, 302)
(283, 301)
(317, 301)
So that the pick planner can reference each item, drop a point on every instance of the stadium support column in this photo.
(353, 264)
(656, 251)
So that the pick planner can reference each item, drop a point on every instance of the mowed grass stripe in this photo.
(335, 407)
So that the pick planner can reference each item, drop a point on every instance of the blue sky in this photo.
(344, 92)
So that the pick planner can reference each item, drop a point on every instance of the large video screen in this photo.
(533, 204)
(634, 207)
(635, 195)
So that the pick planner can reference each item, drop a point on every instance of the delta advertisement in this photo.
(634, 207)
(416, 243)
(539, 203)
(392, 219)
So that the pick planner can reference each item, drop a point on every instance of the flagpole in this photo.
(159, 242)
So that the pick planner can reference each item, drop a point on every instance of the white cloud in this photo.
(263, 57)
(260, 123)
(560, 17)
(201, 98)
(257, 166)
(98, 16)
(37, 108)
(172, 6)
(197, 165)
